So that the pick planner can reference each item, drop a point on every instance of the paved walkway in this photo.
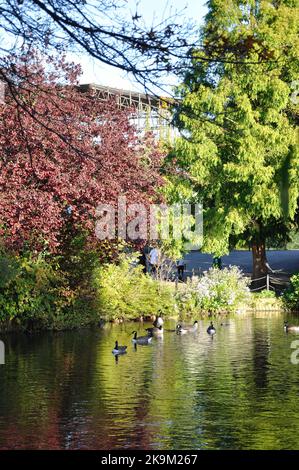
(285, 262)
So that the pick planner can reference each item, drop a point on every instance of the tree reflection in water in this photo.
(67, 391)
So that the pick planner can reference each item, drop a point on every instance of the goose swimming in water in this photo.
(141, 339)
(211, 329)
(288, 327)
(158, 322)
(119, 349)
(180, 330)
(155, 331)
(187, 329)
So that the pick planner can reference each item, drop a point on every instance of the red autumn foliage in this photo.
(61, 148)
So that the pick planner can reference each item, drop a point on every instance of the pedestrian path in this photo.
(283, 262)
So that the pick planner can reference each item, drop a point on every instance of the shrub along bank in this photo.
(39, 293)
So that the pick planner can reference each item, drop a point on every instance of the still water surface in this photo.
(237, 390)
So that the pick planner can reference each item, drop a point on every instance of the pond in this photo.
(236, 390)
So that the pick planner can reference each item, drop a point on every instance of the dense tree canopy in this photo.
(239, 124)
(62, 153)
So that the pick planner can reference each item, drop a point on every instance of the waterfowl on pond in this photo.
(158, 321)
(288, 327)
(211, 329)
(141, 339)
(119, 349)
(182, 329)
(155, 331)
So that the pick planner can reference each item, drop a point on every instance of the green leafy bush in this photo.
(28, 290)
(36, 294)
(123, 290)
(291, 295)
(265, 294)
(216, 291)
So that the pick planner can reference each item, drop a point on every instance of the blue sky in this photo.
(152, 11)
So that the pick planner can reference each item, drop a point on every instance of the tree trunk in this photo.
(259, 259)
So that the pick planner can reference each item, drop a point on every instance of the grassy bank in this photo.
(265, 301)
(37, 295)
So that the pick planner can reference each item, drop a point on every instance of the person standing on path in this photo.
(154, 259)
(180, 264)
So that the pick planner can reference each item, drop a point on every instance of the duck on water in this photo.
(182, 329)
(119, 349)
(211, 329)
(288, 327)
(155, 331)
(141, 339)
(158, 321)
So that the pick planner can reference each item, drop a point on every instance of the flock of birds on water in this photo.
(157, 331)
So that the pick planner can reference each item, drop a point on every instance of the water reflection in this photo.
(237, 389)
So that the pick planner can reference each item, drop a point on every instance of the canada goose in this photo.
(141, 339)
(211, 329)
(155, 331)
(158, 322)
(187, 329)
(119, 349)
(288, 327)
(180, 330)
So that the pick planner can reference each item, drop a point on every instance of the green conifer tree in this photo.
(239, 147)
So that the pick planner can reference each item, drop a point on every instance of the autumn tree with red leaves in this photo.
(62, 153)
